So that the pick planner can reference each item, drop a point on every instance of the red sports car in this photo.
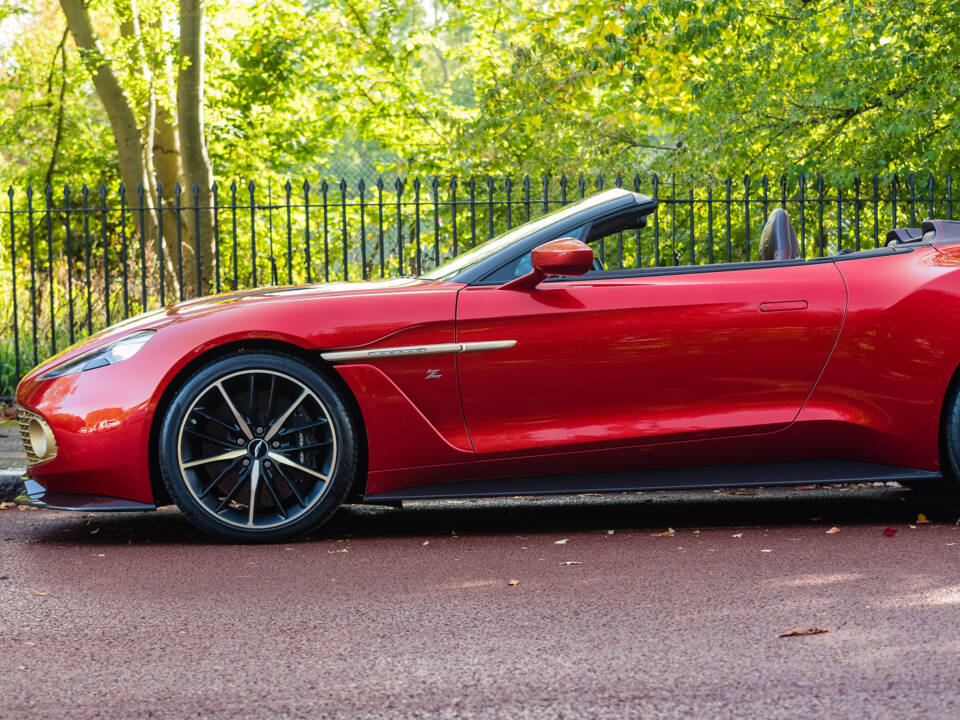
(259, 413)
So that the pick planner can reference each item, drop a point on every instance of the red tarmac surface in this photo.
(410, 613)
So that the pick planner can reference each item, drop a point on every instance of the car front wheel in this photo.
(258, 447)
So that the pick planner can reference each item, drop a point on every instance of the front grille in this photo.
(23, 420)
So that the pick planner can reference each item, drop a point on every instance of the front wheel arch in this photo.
(312, 358)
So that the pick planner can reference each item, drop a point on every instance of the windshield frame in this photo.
(480, 261)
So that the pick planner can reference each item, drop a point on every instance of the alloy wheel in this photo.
(257, 449)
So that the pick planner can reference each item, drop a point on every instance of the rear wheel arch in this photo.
(312, 358)
(949, 440)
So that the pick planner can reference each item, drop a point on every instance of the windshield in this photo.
(480, 253)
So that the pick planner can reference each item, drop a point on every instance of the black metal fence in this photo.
(76, 261)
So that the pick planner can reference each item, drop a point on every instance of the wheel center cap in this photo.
(258, 448)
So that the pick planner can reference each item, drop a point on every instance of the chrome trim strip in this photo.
(488, 345)
(440, 349)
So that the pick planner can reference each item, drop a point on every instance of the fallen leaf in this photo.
(571, 562)
(41, 594)
(889, 532)
(806, 487)
(921, 519)
(737, 535)
(609, 532)
(426, 542)
(833, 531)
(669, 532)
(95, 531)
(513, 582)
(560, 542)
(766, 551)
(800, 632)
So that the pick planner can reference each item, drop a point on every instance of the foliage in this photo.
(693, 86)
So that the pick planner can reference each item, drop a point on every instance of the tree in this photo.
(140, 139)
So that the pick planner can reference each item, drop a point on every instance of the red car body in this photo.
(831, 369)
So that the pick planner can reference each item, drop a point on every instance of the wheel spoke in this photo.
(230, 455)
(273, 386)
(290, 463)
(254, 485)
(250, 404)
(273, 494)
(208, 438)
(207, 416)
(308, 426)
(283, 418)
(298, 448)
(233, 491)
(240, 421)
(219, 477)
(293, 488)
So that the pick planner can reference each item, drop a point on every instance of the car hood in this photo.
(199, 307)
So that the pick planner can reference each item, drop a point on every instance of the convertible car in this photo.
(521, 367)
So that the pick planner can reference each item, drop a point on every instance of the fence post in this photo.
(123, 250)
(13, 284)
(416, 224)
(746, 212)
(253, 234)
(362, 187)
(803, 216)
(287, 188)
(306, 228)
(453, 212)
(398, 184)
(856, 210)
(85, 195)
(33, 276)
(106, 253)
(343, 226)
(214, 193)
(48, 202)
(142, 210)
(233, 215)
(656, 221)
(177, 192)
(380, 225)
(729, 202)
(324, 188)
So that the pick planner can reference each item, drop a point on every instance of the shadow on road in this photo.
(567, 514)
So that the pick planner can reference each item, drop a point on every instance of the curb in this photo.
(11, 484)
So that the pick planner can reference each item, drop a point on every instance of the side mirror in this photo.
(566, 256)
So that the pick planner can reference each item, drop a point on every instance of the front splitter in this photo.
(38, 496)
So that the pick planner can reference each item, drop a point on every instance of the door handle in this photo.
(781, 305)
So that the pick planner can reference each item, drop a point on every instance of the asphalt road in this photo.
(410, 613)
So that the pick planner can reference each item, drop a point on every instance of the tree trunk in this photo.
(197, 168)
(116, 103)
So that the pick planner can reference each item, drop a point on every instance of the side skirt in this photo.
(683, 478)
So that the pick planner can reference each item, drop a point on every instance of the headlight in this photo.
(109, 354)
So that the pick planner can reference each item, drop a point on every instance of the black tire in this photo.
(949, 444)
(264, 424)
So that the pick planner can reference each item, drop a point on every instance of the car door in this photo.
(624, 358)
